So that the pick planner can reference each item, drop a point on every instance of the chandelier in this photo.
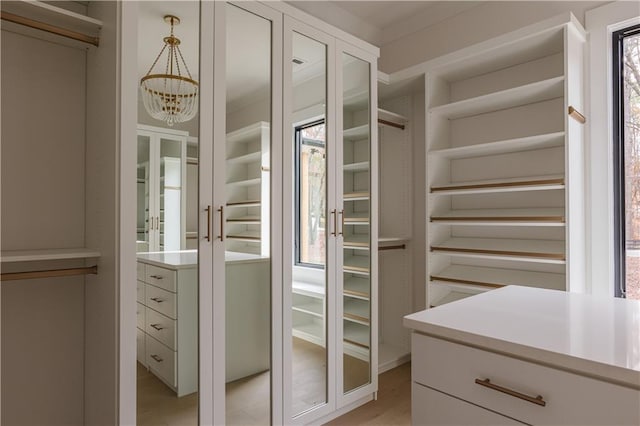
(170, 95)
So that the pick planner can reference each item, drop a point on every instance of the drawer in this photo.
(569, 398)
(161, 328)
(140, 271)
(140, 288)
(161, 300)
(161, 360)
(430, 407)
(140, 347)
(160, 277)
(140, 314)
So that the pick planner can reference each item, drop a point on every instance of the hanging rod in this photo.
(391, 124)
(398, 247)
(50, 273)
(21, 20)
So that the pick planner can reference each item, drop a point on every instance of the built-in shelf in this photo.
(249, 133)
(359, 218)
(527, 94)
(362, 166)
(356, 334)
(310, 331)
(9, 256)
(244, 220)
(357, 287)
(244, 182)
(245, 236)
(542, 251)
(356, 133)
(502, 217)
(356, 264)
(500, 185)
(311, 308)
(385, 116)
(356, 242)
(356, 310)
(251, 203)
(465, 275)
(356, 196)
(309, 289)
(547, 140)
(246, 158)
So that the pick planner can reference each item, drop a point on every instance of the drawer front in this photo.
(140, 288)
(161, 328)
(161, 300)
(160, 277)
(161, 360)
(140, 271)
(569, 398)
(430, 407)
(140, 347)
(140, 315)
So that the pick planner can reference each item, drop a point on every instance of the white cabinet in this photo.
(505, 160)
(247, 188)
(161, 189)
(167, 335)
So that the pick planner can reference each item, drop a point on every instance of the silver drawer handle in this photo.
(157, 277)
(157, 299)
(156, 358)
(538, 400)
(156, 326)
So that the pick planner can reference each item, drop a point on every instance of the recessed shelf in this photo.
(356, 334)
(356, 264)
(244, 182)
(502, 185)
(356, 310)
(357, 287)
(249, 133)
(464, 275)
(356, 167)
(502, 217)
(517, 96)
(542, 251)
(356, 133)
(9, 256)
(547, 140)
(356, 196)
(246, 158)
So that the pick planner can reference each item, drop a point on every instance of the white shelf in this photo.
(547, 140)
(383, 114)
(356, 333)
(357, 288)
(239, 204)
(356, 310)
(541, 251)
(246, 158)
(308, 289)
(359, 218)
(356, 167)
(311, 331)
(356, 265)
(391, 240)
(309, 308)
(247, 134)
(356, 133)
(9, 256)
(464, 275)
(244, 220)
(246, 236)
(536, 183)
(502, 217)
(356, 196)
(356, 242)
(245, 182)
(517, 96)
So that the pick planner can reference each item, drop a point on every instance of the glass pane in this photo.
(309, 322)
(248, 211)
(355, 217)
(631, 100)
(143, 190)
(170, 213)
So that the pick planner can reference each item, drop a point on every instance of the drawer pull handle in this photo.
(157, 326)
(157, 299)
(156, 358)
(157, 277)
(487, 383)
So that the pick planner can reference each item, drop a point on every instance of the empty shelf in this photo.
(356, 334)
(245, 220)
(245, 182)
(356, 218)
(357, 287)
(308, 289)
(310, 308)
(311, 331)
(497, 277)
(356, 167)
(356, 196)
(356, 310)
(548, 140)
(523, 95)
(502, 217)
(244, 159)
(245, 236)
(8, 256)
(356, 264)
(501, 185)
(356, 133)
(251, 203)
(386, 117)
(543, 251)
(249, 133)
(356, 242)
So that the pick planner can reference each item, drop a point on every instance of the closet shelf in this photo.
(502, 217)
(244, 220)
(356, 242)
(541, 251)
(385, 116)
(547, 140)
(245, 236)
(356, 334)
(248, 134)
(245, 182)
(10, 256)
(357, 288)
(541, 183)
(311, 331)
(356, 167)
(356, 264)
(246, 158)
(464, 275)
(356, 310)
(356, 133)
(308, 289)
(356, 196)
(310, 308)
(251, 203)
(529, 93)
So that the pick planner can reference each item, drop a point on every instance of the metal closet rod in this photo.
(48, 273)
(42, 26)
(397, 247)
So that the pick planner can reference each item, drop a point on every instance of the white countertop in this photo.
(185, 259)
(595, 336)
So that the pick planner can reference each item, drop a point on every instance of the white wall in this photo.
(480, 23)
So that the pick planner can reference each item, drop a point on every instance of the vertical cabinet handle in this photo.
(208, 210)
(341, 223)
(221, 211)
(335, 222)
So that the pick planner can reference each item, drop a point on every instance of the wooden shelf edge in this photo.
(539, 182)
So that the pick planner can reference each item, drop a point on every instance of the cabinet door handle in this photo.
(341, 223)
(335, 222)
(157, 299)
(208, 237)
(221, 211)
(156, 326)
(538, 400)
(156, 358)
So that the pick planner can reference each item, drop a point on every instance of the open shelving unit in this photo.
(247, 208)
(505, 165)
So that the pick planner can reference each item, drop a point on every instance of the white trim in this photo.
(601, 23)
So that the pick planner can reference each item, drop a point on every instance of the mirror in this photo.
(166, 235)
(309, 270)
(356, 180)
(248, 212)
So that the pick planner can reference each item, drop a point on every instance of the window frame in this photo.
(297, 150)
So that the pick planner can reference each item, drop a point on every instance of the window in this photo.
(626, 80)
(311, 181)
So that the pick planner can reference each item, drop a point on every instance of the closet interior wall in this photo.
(58, 191)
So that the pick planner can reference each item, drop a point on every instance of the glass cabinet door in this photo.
(170, 215)
(143, 184)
